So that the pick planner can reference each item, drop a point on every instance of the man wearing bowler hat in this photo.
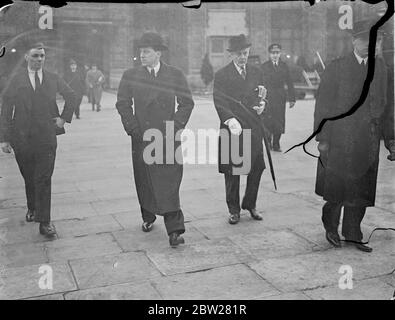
(237, 83)
(29, 123)
(277, 75)
(153, 90)
(349, 147)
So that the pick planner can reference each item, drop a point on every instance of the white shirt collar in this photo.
(360, 59)
(156, 69)
(39, 71)
(239, 69)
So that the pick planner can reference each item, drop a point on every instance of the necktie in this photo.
(152, 73)
(243, 73)
(36, 81)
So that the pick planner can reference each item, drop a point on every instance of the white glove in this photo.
(259, 109)
(5, 147)
(234, 126)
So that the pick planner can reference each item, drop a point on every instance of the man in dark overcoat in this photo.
(29, 123)
(238, 83)
(349, 147)
(152, 90)
(75, 79)
(277, 76)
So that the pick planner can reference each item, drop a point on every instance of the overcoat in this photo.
(229, 90)
(276, 78)
(16, 125)
(96, 79)
(349, 171)
(155, 101)
(76, 81)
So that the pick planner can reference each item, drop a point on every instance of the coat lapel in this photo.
(26, 85)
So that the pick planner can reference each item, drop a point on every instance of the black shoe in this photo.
(47, 229)
(147, 226)
(98, 108)
(234, 218)
(333, 239)
(175, 239)
(255, 215)
(30, 215)
(78, 117)
(361, 247)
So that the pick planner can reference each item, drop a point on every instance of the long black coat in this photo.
(16, 122)
(154, 103)
(229, 89)
(276, 79)
(349, 174)
(76, 81)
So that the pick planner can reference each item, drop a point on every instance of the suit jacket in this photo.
(230, 89)
(154, 102)
(16, 117)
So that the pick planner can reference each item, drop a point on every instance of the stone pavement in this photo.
(101, 252)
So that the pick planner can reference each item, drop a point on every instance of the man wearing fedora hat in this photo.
(277, 75)
(349, 147)
(29, 123)
(152, 90)
(238, 83)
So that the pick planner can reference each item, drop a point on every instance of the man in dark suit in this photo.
(235, 84)
(153, 88)
(349, 147)
(277, 75)
(29, 122)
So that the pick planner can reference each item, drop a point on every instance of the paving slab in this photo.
(116, 206)
(22, 254)
(22, 233)
(72, 211)
(113, 269)
(295, 273)
(271, 244)
(198, 256)
(23, 282)
(48, 297)
(224, 283)
(79, 247)
(286, 296)
(87, 226)
(127, 291)
(135, 239)
(370, 289)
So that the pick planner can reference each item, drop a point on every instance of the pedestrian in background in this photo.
(94, 81)
(76, 81)
(277, 76)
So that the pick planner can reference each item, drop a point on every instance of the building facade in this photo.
(106, 33)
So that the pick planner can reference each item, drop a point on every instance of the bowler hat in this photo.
(237, 43)
(152, 40)
(362, 28)
(274, 47)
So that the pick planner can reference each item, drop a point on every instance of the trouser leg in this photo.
(77, 106)
(232, 185)
(26, 163)
(251, 192)
(331, 215)
(147, 216)
(45, 162)
(352, 219)
(276, 140)
(174, 222)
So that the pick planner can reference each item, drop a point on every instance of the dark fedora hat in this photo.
(274, 47)
(237, 43)
(72, 61)
(152, 40)
(362, 28)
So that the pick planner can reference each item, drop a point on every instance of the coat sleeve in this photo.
(290, 85)
(326, 100)
(125, 102)
(69, 97)
(6, 113)
(221, 102)
(184, 101)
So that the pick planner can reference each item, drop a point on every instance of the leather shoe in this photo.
(255, 215)
(30, 215)
(333, 239)
(362, 247)
(147, 226)
(234, 218)
(47, 229)
(175, 239)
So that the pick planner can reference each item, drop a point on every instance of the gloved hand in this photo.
(234, 126)
(391, 149)
(5, 147)
(291, 104)
(323, 147)
(259, 109)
